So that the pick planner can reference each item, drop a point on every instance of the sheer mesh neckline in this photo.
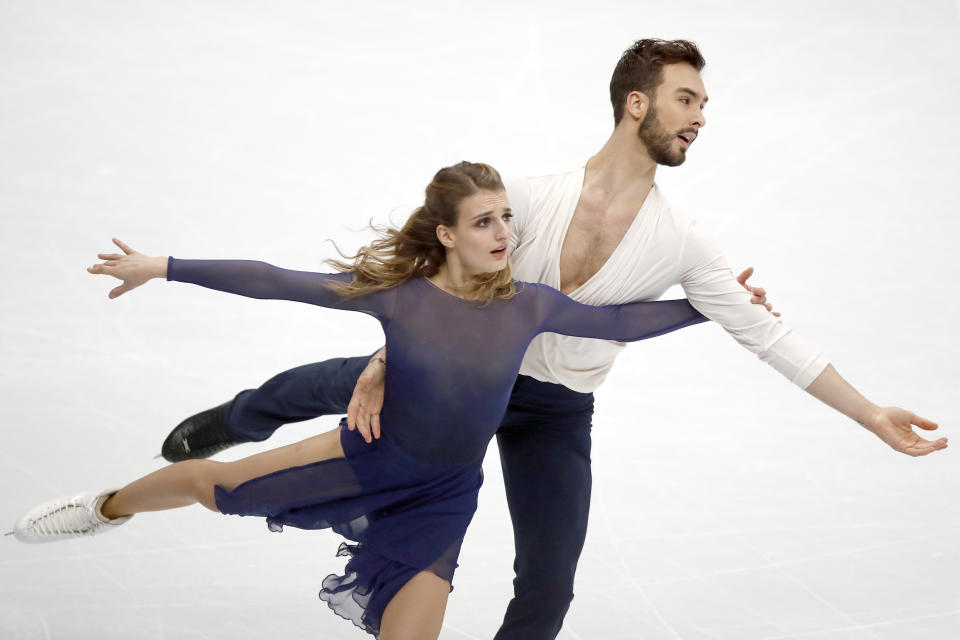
(447, 293)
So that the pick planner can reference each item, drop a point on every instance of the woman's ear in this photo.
(445, 236)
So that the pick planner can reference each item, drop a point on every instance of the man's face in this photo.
(675, 115)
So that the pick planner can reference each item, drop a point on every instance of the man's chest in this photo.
(591, 239)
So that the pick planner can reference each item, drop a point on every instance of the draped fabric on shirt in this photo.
(662, 247)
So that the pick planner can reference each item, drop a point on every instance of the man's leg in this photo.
(299, 394)
(302, 393)
(545, 454)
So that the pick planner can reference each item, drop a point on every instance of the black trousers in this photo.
(544, 442)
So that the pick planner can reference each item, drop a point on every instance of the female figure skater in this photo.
(456, 329)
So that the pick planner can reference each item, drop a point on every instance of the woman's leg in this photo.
(192, 481)
(416, 612)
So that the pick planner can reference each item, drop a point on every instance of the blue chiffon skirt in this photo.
(405, 515)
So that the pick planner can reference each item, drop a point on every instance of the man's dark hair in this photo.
(641, 68)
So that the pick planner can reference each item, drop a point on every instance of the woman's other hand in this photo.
(132, 267)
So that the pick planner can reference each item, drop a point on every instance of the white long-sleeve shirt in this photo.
(662, 247)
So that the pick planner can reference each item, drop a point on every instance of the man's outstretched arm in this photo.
(890, 424)
(712, 290)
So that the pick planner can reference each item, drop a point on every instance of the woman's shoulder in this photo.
(533, 289)
(519, 286)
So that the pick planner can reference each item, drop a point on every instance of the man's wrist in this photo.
(869, 416)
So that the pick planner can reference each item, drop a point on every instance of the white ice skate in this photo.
(67, 518)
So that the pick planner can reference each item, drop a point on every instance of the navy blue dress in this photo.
(406, 499)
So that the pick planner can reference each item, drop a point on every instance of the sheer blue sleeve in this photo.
(266, 282)
(624, 322)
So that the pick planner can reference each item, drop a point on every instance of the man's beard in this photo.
(658, 141)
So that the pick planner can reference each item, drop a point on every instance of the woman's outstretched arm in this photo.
(242, 277)
(625, 323)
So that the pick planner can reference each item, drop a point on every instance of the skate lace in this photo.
(66, 518)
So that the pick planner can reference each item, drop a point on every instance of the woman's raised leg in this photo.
(416, 612)
(185, 483)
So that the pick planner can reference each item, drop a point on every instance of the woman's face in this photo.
(482, 234)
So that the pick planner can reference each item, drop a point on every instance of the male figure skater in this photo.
(603, 234)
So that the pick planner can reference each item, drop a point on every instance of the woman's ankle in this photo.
(108, 508)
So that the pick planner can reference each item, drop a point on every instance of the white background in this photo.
(728, 504)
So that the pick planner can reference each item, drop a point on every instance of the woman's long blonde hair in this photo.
(414, 251)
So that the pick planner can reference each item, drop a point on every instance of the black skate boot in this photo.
(199, 436)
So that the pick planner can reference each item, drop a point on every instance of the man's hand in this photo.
(131, 266)
(363, 412)
(759, 293)
(892, 425)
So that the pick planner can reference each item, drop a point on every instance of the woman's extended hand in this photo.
(132, 267)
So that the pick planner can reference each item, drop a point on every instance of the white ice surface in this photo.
(728, 505)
